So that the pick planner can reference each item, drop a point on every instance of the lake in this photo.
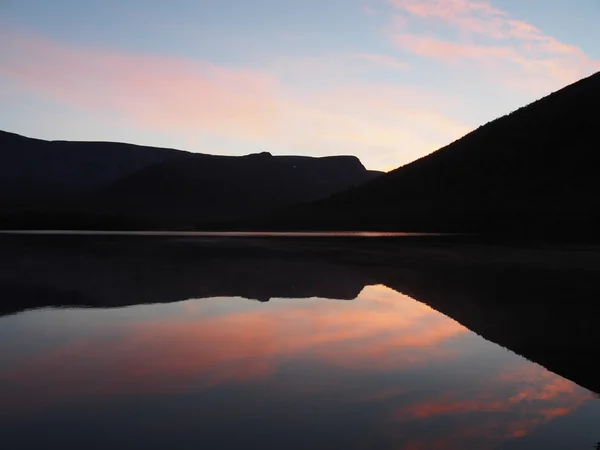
(192, 344)
(225, 234)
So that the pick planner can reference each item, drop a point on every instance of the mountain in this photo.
(535, 169)
(106, 185)
(35, 172)
(219, 188)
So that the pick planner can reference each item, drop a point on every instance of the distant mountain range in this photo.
(535, 170)
(103, 185)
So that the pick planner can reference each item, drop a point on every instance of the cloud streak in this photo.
(489, 37)
(201, 99)
(155, 91)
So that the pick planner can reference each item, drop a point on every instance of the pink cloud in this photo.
(514, 66)
(490, 37)
(446, 8)
(162, 92)
(476, 17)
(248, 106)
(452, 51)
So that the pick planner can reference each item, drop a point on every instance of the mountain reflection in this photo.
(381, 371)
(384, 330)
(408, 365)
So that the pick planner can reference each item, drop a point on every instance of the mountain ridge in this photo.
(532, 167)
(107, 185)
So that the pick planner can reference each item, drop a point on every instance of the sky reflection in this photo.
(382, 371)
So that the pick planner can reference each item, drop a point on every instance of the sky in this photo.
(386, 80)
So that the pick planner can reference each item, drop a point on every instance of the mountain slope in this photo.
(110, 185)
(35, 171)
(537, 167)
(207, 189)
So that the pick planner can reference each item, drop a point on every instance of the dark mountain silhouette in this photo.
(102, 185)
(34, 172)
(221, 188)
(121, 271)
(535, 169)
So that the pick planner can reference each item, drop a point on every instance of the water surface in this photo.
(382, 371)
(301, 234)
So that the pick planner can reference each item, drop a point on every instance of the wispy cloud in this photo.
(477, 32)
(157, 91)
(196, 97)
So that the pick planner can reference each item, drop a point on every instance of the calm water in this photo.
(110, 342)
(300, 234)
(382, 371)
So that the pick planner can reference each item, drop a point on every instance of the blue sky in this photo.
(386, 80)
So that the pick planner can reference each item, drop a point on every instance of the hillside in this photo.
(35, 171)
(220, 188)
(536, 168)
(110, 185)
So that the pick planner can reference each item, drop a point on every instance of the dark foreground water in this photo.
(382, 371)
(329, 355)
(223, 234)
